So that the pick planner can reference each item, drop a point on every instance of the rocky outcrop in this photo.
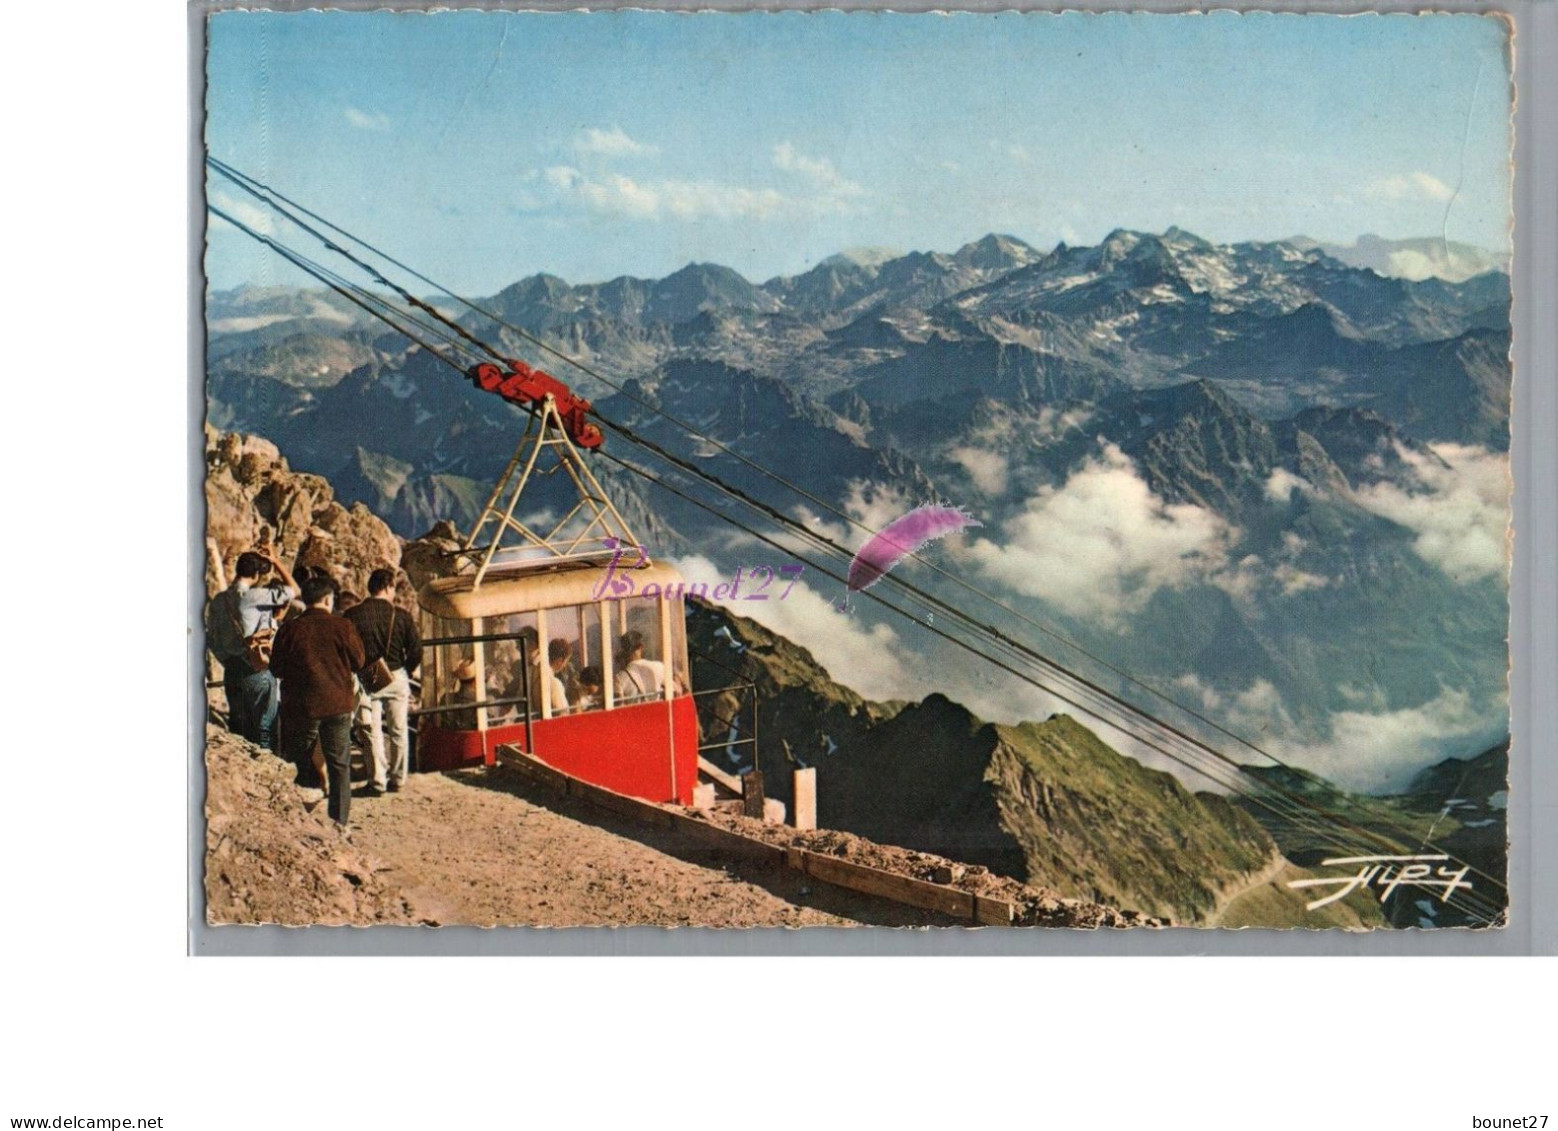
(1117, 830)
(253, 497)
(431, 555)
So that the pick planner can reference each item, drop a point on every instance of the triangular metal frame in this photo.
(595, 516)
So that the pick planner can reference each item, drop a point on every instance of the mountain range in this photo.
(1263, 479)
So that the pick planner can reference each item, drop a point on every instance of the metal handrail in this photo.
(748, 706)
(522, 636)
(448, 707)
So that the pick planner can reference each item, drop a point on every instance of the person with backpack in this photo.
(390, 635)
(240, 629)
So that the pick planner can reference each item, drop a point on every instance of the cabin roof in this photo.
(523, 592)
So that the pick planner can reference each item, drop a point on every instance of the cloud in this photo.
(1377, 751)
(1281, 484)
(612, 195)
(611, 143)
(1252, 575)
(1100, 545)
(986, 468)
(364, 121)
(1366, 748)
(1458, 507)
(819, 170)
(620, 196)
(1294, 580)
(1438, 262)
(664, 198)
(1408, 186)
(1258, 711)
(867, 658)
(245, 212)
(688, 200)
(616, 195)
(832, 191)
(871, 505)
(982, 455)
(876, 504)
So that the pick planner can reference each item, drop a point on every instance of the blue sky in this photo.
(482, 147)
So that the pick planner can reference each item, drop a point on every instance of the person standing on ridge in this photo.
(316, 657)
(244, 611)
(388, 634)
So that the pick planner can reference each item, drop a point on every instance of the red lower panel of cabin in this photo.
(647, 750)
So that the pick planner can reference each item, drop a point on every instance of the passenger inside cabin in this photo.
(558, 655)
(504, 672)
(464, 691)
(638, 678)
(592, 685)
(502, 667)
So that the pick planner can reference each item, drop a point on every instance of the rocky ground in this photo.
(489, 848)
(477, 847)
(1036, 906)
(269, 859)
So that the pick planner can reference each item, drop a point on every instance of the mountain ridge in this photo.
(1284, 428)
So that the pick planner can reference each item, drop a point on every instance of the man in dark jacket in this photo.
(316, 656)
(390, 633)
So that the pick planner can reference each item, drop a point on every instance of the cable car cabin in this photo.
(608, 694)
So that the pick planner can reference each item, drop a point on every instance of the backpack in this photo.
(256, 648)
(377, 675)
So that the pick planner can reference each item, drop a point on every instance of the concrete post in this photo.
(804, 797)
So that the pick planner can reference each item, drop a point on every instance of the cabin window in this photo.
(589, 636)
(555, 675)
(501, 666)
(442, 685)
(638, 663)
(677, 649)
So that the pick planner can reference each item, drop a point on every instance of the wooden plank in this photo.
(829, 869)
(709, 770)
(537, 770)
(890, 885)
(994, 912)
(633, 807)
(532, 768)
(733, 844)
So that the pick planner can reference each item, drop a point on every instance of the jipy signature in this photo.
(1386, 873)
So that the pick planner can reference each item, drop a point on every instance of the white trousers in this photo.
(385, 711)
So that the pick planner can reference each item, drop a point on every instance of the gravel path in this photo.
(487, 848)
